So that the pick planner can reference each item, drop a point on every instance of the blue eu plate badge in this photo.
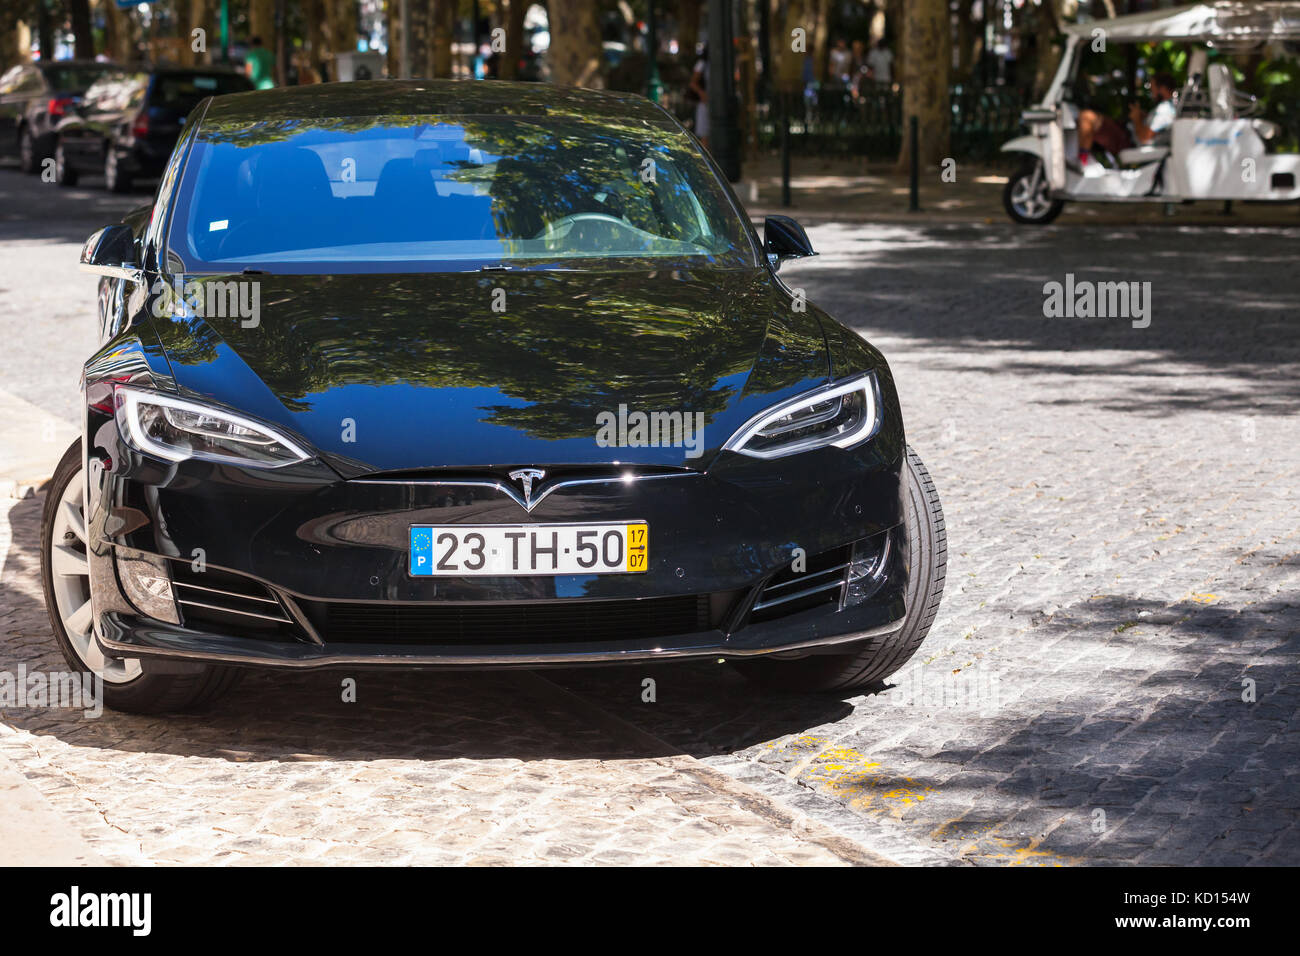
(421, 551)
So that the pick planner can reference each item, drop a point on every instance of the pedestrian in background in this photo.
(259, 64)
(699, 93)
(860, 73)
(841, 63)
(880, 62)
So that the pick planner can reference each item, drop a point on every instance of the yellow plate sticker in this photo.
(638, 547)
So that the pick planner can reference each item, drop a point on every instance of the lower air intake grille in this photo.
(215, 600)
(551, 622)
(791, 591)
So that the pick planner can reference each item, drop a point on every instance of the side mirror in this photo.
(111, 252)
(783, 238)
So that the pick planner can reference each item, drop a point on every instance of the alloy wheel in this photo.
(1029, 194)
(70, 573)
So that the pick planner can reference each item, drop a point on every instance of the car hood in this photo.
(392, 373)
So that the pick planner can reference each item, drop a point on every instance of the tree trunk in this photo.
(202, 16)
(44, 29)
(925, 79)
(508, 63)
(261, 22)
(688, 29)
(819, 45)
(119, 35)
(393, 29)
(893, 29)
(1048, 26)
(787, 16)
(181, 23)
(282, 46)
(418, 20)
(83, 41)
(342, 17)
(12, 31)
(443, 24)
(316, 39)
(967, 42)
(575, 52)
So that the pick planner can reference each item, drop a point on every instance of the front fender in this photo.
(1025, 144)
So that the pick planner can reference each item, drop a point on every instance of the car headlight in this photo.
(176, 429)
(841, 415)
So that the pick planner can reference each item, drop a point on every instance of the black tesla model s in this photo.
(432, 374)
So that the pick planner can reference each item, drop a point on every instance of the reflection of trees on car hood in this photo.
(569, 344)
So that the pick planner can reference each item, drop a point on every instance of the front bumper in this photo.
(327, 556)
(160, 645)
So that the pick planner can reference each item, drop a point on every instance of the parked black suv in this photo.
(34, 97)
(128, 122)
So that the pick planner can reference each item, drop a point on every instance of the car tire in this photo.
(871, 661)
(66, 584)
(64, 174)
(1026, 205)
(28, 160)
(116, 179)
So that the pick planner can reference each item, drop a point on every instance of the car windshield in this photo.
(438, 193)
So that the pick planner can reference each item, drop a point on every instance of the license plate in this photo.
(508, 549)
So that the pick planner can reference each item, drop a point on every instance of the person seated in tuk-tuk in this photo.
(1096, 128)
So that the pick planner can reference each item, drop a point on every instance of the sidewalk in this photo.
(842, 190)
(33, 833)
(31, 443)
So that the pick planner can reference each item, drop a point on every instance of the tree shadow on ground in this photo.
(1224, 321)
(55, 218)
(1182, 768)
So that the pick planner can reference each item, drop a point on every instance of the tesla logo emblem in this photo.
(526, 477)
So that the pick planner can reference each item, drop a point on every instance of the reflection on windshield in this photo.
(389, 194)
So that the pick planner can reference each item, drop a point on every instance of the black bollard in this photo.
(914, 143)
(785, 151)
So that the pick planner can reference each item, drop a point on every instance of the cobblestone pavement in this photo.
(1111, 677)
(1123, 559)
(423, 769)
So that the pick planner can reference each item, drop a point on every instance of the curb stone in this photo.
(33, 833)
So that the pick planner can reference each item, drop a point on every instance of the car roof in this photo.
(432, 97)
(192, 70)
(76, 64)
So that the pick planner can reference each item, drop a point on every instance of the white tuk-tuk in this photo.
(1214, 148)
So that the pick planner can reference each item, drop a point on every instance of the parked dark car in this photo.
(128, 122)
(34, 97)
(439, 374)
